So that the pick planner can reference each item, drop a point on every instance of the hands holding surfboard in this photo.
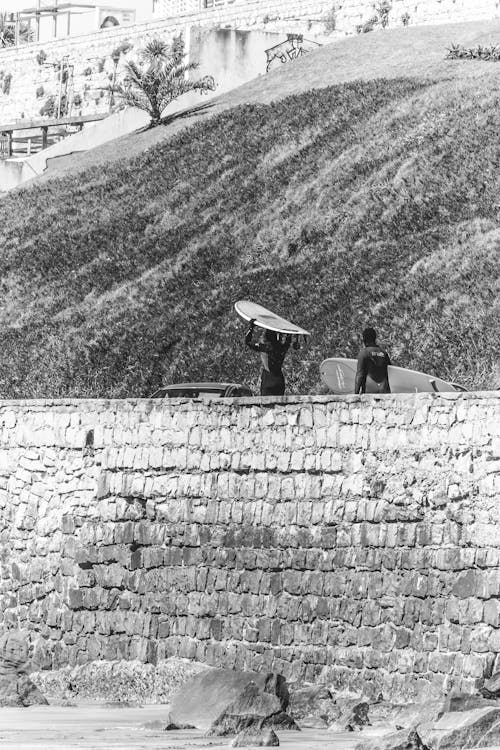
(277, 338)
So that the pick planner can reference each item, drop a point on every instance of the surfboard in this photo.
(266, 319)
(340, 375)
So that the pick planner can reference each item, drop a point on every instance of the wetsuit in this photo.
(272, 354)
(373, 362)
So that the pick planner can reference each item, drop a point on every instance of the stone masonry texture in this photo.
(353, 541)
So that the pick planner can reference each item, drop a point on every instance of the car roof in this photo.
(201, 386)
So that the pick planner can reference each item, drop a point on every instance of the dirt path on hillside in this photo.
(89, 727)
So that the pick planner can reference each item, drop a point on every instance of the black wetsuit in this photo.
(272, 382)
(373, 361)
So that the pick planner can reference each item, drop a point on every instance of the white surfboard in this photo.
(340, 375)
(266, 319)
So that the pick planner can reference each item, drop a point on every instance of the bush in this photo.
(367, 26)
(331, 21)
(6, 83)
(160, 78)
(49, 107)
(479, 52)
(384, 8)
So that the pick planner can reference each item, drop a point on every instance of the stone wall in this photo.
(350, 540)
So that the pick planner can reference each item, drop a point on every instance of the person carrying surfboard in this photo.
(273, 349)
(373, 362)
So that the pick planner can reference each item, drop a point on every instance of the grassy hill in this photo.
(371, 200)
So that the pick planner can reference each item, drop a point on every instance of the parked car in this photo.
(202, 390)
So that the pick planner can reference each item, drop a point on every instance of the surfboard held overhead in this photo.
(266, 319)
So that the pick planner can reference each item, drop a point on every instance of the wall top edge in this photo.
(148, 403)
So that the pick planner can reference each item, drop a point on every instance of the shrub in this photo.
(383, 10)
(122, 49)
(159, 78)
(367, 26)
(6, 83)
(8, 33)
(479, 52)
(331, 21)
(49, 107)
(40, 92)
(41, 57)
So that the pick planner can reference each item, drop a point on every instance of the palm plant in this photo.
(160, 76)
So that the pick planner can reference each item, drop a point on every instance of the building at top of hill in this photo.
(52, 19)
(178, 7)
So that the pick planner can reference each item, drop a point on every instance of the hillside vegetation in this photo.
(368, 202)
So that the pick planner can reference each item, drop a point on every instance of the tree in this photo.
(159, 77)
(8, 31)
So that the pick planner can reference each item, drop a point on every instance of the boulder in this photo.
(253, 709)
(405, 739)
(414, 714)
(16, 688)
(253, 738)
(479, 727)
(313, 706)
(491, 688)
(353, 717)
(14, 651)
(466, 702)
(206, 696)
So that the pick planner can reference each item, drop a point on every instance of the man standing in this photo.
(273, 349)
(372, 361)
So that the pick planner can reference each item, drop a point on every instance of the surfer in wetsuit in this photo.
(273, 351)
(372, 361)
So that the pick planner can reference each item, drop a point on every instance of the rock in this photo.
(28, 692)
(406, 739)
(479, 727)
(253, 709)
(14, 651)
(313, 706)
(491, 688)
(384, 713)
(314, 722)
(466, 702)
(155, 725)
(16, 688)
(352, 718)
(414, 714)
(253, 738)
(205, 697)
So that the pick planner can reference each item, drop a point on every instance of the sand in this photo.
(100, 727)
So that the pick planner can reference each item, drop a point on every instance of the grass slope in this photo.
(365, 202)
